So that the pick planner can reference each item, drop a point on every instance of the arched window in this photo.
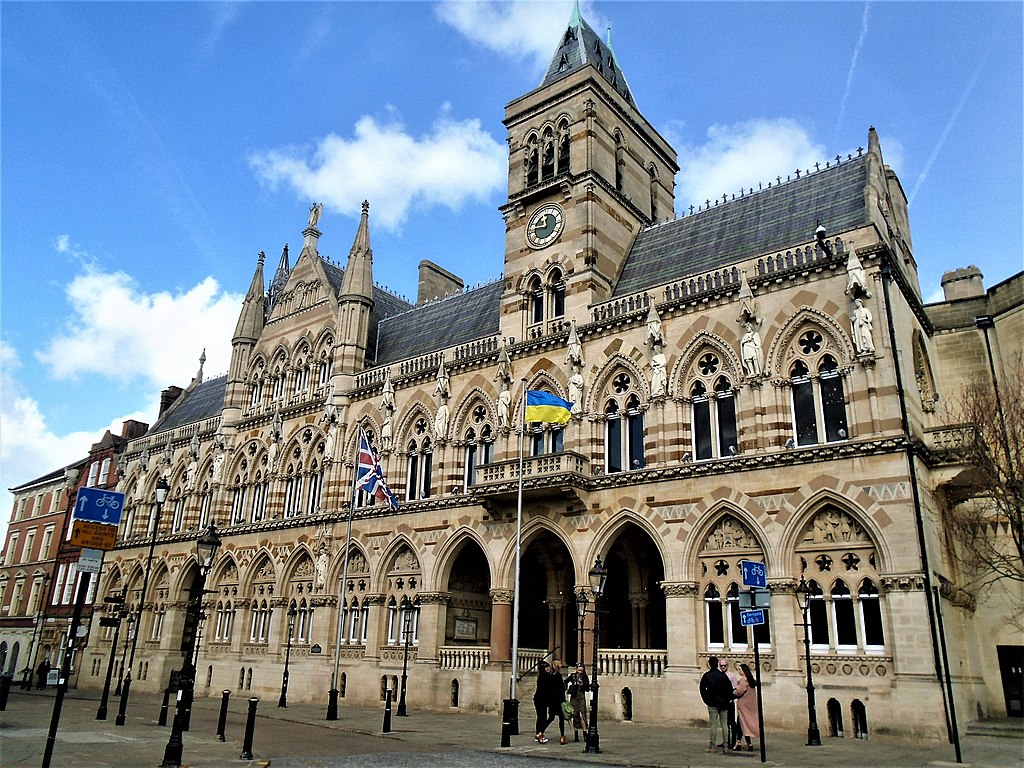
(817, 616)
(532, 161)
(316, 479)
(557, 284)
(620, 160)
(624, 426)
(819, 401)
(712, 408)
(485, 451)
(205, 504)
(259, 498)
(842, 617)
(419, 467)
(471, 459)
(547, 162)
(536, 294)
(713, 620)
(563, 146)
(293, 491)
(871, 616)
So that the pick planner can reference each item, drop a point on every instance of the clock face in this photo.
(545, 226)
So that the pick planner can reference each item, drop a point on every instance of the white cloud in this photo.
(522, 30)
(119, 332)
(395, 171)
(29, 448)
(742, 155)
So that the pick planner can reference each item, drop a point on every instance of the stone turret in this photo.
(247, 332)
(356, 301)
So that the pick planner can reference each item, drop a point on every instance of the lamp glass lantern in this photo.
(162, 489)
(598, 577)
(581, 606)
(206, 547)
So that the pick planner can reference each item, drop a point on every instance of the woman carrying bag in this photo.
(578, 687)
(746, 708)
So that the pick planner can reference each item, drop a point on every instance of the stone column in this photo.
(786, 621)
(683, 628)
(556, 626)
(501, 625)
(639, 601)
(433, 614)
(375, 618)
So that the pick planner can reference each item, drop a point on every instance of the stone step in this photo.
(1007, 728)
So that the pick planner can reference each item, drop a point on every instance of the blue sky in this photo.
(151, 150)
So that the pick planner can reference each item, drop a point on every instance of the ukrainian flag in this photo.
(543, 406)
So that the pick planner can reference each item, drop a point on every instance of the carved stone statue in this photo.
(504, 403)
(751, 352)
(387, 398)
(654, 335)
(385, 434)
(504, 371)
(329, 441)
(659, 372)
(314, 214)
(576, 390)
(443, 388)
(862, 326)
(441, 421)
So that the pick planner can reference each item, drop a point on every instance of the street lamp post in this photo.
(124, 651)
(803, 594)
(283, 701)
(581, 611)
(598, 577)
(206, 550)
(118, 602)
(407, 632)
(161, 490)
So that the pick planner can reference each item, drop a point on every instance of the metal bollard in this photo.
(509, 714)
(5, 690)
(387, 711)
(162, 720)
(250, 726)
(222, 721)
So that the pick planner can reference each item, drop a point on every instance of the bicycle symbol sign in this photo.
(99, 505)
(754, 574)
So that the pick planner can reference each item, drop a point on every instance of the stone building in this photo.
(755, 380)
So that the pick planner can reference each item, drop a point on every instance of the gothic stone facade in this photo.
(744, 387)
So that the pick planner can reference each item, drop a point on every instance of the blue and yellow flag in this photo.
(543, 406)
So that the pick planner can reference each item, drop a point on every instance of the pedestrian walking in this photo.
(716, 691)
(542, 700)
(723, 664)
(578, 686)
(747, 708)
(42, 671)
(557, 699)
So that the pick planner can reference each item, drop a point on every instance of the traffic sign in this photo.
(750, 618)
(85, 533)
(99, 505)
(90, 561)
(754, 598)
(754, 574)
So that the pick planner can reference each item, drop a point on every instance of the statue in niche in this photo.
(218, 466)
(504, 369)
(386, 438)
(329, 441)
(855, 279)
(190, 473)
(321, 566)
(862, 326)
(751, 352)
(441, 421)
(659, 372)
(654, 336)
(576, 390)
(504, 403)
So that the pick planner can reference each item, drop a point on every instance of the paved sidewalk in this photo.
(299, 736)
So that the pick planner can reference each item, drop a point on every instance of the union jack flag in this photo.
(369, 475)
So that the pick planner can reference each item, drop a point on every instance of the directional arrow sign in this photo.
(754, 574)
(99, 505)
(750, 618)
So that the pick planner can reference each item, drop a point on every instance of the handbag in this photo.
(568, 710)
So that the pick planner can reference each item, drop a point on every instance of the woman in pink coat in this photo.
(746, 708)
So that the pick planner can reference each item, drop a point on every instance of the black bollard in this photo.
(222, 721)
(507, 710)
(162, 720)
(250, 726)
(5, 690)
(387, 711)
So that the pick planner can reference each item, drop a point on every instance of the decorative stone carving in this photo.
(861, 326)
(659, 372)
(504, 366)
(574, 352)
(266, 572)
(504, 403)
(443, 385)
(576, 390)
(405, 561)
(434, 598)
(314, 214)
(680, 589)
(751, 352)
(654, 336)
(502, 596)
(441, 421)
(730, 533)
(856, 283)
(835, 526)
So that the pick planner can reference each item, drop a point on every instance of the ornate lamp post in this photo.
(598, 577)
(206, 550)
(581, 611)
(407, 632)
(283, 701)
(161, 489)
(803, 594)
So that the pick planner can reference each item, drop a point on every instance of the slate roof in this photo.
(765, 221)
(385, 303)
(454, 320)
(203, 402)
(581, 46)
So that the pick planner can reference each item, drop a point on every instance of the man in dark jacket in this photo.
(716, 691)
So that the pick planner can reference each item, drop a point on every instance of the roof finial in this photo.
(574, 20)
(366, 207)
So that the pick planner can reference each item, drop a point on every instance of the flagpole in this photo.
(519, 535)
(332, 700)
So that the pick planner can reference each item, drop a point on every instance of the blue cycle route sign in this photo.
(99, 505)
(754, 574)
(751, 618)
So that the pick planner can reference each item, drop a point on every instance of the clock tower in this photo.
(586, 173)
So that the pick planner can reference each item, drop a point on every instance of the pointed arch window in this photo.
(536, 294)
(532, 161)
(843, 617)
(258, 509)
(205, 504)
(833, 400)
(871, 616)
(805, 420)
(713, 430)
(817, 613)
(419, 466)
(713, 618)
(547, 162)
(238, 495)
(654, 193)
(293, 492)
(557, 284)
(316, 480)
(819, 399)
(471, 458)
(563, 146)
